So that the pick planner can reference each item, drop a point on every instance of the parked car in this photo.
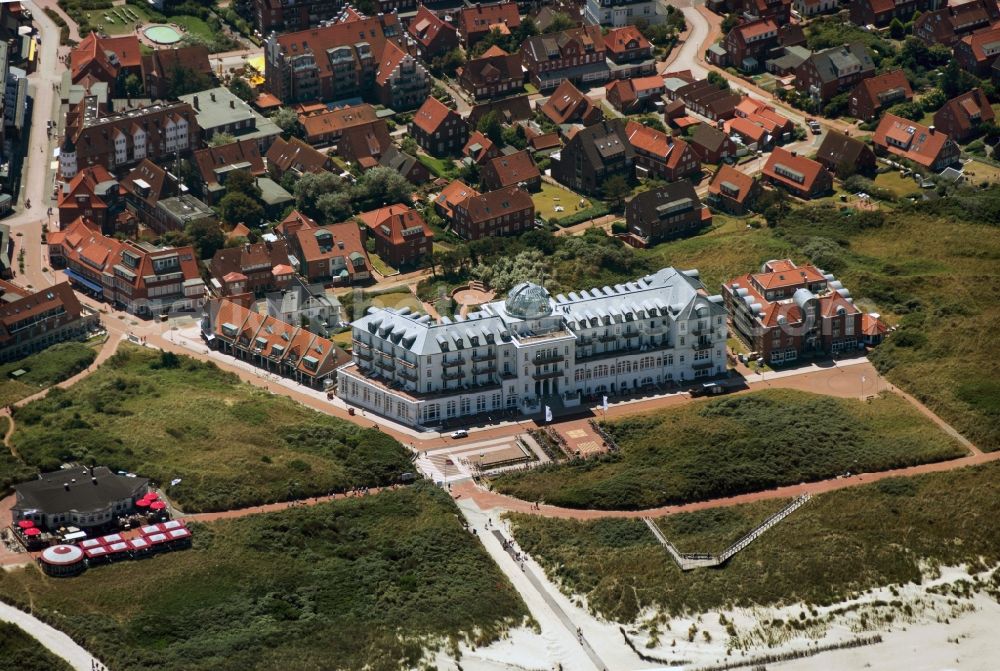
(461, 433)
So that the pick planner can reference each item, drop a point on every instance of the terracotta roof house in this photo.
(568, 104)
(845, 156)
(269, 16)
(666, 212)
(711, 145)
(629, 52)
(106, 59)
(260, 267)
(704, 98)
(116, 140)
(333, 253)
(35, 321)
(268, 342)
(326, 127)
(495, 73)
(826, 73)
(406, 165)
(163, 67)
(593, 155)
(799, 175)
(438, 129)
(93, 193)
(133, 276)
(507, 211)
(543, 141)
(480, 148)
(517, 169)
(748, 44)
(880, 13)
(787, 312)
(155, 198)
(297, 157)
(577, 55)
(450, 196)
(629, 96)
(434, 36)
(514, 108)
(807, 8)
(401, 81)
(216, 163)
(961, 117)
(364, 145)
(907, 139)
(976, 53)
(333, 62)
(875, 94)
(765, 116)
(294, 222)
(477, 21)
(732, 191)
(948, 25)
(779, 10)
(402, 237)
(660, 155)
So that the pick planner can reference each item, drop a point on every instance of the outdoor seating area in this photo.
(68, 560)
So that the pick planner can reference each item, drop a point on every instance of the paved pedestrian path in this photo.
(52, 639)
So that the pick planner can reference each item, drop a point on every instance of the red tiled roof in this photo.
(872, 87)
(626, 38)
(808, 168)
(335, 121)
(515, 168)
(431, 115)
(426, 25)
(453, 194)
(909, 139)
(395, 219)
(392, 56)
(731, 183)
(347, 33)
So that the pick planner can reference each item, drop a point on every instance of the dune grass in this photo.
(231, 444)
(834, 546)
(735, 445)
(19, 651)
(44, 369)
(357, 583)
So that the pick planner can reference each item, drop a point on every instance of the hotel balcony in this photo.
(702, 344)
(453, 375)
(483, 370)
(483, 357)
(386, 365)
(583, 341)
(542, 359)
(697, 331)
(448, 363)
(408, 364)
(611, 337)
(546, 375)
(408, 374)
(362, 354)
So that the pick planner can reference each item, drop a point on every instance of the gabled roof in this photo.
(492, 204)
(431, 115)
(494, 62)
(515, 168)
(249, 257)
(480, 18)
(350, 34)
(391, 222)
(782, 165)
(453, 194)
(163, 62)
(295, 221)
(910, 139)
(831, 62)
(335, 121)
(731, 183)
(709, 137)
(984, 45)
(392, 57)
(332, 241)
(967, 111)
(626, 38)
(104, 56)
(651, 141)
(888, 84)
(426, 26)
(148, 182)
(295, 154)
(568, 104)
(479, 147)
(745, 127)
(543, 48)
(838, 149)
(214, 162)
(86, 183)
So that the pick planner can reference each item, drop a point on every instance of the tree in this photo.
(730, 22)
(718, 80)
(237, 208)
(897, 30)
(184, 80)
(560, 22)
(838, 105)
(380, 186)
(241, 89)
(908, 110)
(408, 145)
(334, 207)
(490, 126)
(653, 121)
(133, 86)
(504, 273)
(615, 188)
(514, 136)
(446, 64)
(219, 139)
(311, 186)
(241, 181)
(773, 204)
(206, 237)
(287, 120)
(955, 81)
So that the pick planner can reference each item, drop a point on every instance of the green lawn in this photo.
(381, 266)
(19, 651)
(359, 583)
(44, 369)
(395, 298)
(551, 196)
(440, 167)
(901, 186)
(834, 546)
(738, 444)
(233, 445)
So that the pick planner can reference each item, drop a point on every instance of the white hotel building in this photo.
(532, 350)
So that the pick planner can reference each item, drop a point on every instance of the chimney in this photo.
(932, 130)
(196, 103)
(232, 104)
(66, 486)
(94, 480)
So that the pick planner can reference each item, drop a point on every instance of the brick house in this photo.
(593, 155)
(93, 193)
(162, 66)
(402, 237)
(34, 321)
(749, 44)
(568, 104)
(880, 13)
(732, 191)
(495, 73)
(961, 117)
(333, 253)
(106, 59)
(577, 55)
(907, 139)
(401, 81)
(328, 126)
(438, 128)
(660, 155)
(517, 169)
(826, 73)
(845, 156)
(799, 175)
(451, 196)
(948, 25)
(630, 96)
(787, 312)
(976, 53)
(477, 21)
(433, 35)
(215, 164)
(876, 94)
(506, 211)
(297, 157)
(252, 268)
(630, 53)
(711, 145)
(667, 212)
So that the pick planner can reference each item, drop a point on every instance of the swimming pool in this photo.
(162, 34)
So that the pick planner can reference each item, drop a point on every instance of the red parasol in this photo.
(151, 496)
(25, 524)
(33, 531)
(157, 505)
(142, 503)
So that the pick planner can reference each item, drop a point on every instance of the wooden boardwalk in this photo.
(691, 561)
